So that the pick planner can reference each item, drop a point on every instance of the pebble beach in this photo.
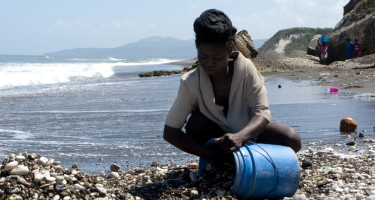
(344, 171)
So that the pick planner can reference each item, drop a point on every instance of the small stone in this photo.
(101, 190)
(59, 179)
(40, 175)
(78, 187)
(15, 191)
(20, 170)
(193, 177)
(154, 164)
(351, 143)
(348, 124)
(65, 193)
(15, 197)
(75, 166)
(194, 193)
(50, 179)
(193, 165)
(306, 163)
(66, 198)
(59, 168)
(361, 135)
(59, 187)
(43, 161)
(10, 166)
(352, 148)
(299, 197)
(23, 181)
(20, 158)
(113, 175)
(56, 163)
(162, 170)
(99, 179)
(115, 167)
(359, 197)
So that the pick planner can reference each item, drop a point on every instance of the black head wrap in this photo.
(213, 26)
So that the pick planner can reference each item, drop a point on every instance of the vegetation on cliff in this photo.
(299, 38)
(365, 6)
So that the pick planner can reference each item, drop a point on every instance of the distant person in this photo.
(349, 48)
(224, 96)
(323, 51)
(357, 48)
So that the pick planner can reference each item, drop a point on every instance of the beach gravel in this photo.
(327, 172)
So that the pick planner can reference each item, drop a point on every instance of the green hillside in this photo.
(304, 37)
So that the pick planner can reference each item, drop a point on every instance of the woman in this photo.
(323, 50)
(225, 96)
(357, 48)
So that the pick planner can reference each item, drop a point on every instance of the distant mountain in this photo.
(259, 43)
(152, 47)
(288, 40)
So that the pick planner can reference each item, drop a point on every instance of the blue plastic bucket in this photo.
(324, 39)
(265, 171)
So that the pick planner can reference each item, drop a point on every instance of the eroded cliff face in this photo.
(358, 23)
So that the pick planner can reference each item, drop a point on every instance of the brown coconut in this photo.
(348, 124)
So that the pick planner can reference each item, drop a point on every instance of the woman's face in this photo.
(213, 58)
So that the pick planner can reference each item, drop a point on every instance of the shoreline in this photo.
(357, 75)
(356, 80)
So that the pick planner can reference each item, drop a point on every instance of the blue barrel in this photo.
(265, 171)
(324, 39)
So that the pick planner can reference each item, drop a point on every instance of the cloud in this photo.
(73, 27)
(80, 27)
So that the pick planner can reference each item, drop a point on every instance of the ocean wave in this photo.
(19, 135)
(26, 74)
(98, 111)
(56, 70)
(151, 61)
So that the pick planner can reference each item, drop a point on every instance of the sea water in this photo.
(95, 112)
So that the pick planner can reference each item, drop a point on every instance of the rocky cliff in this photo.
(358, 22)
(289, 40)
(245, 44)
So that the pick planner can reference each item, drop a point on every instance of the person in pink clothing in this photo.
(357, 48)
(323, 52)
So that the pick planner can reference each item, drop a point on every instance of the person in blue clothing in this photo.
(349, 48)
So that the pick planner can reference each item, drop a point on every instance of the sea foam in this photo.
(43, 70)
(25, 74)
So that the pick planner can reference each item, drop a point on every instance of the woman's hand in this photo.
(230, 142)
(233, 141)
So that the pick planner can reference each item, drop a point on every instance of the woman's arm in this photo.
(179, 139)
(232, 141)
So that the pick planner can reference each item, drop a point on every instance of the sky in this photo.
(35, 27)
